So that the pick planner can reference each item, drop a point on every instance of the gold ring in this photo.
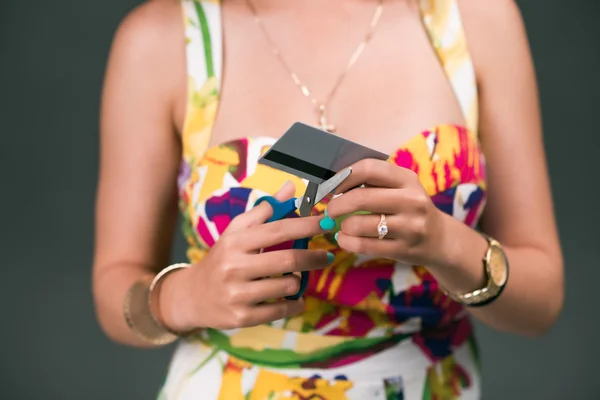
(382, 228)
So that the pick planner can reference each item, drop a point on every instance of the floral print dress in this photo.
(372, 328)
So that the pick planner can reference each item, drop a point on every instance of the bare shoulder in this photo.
(149, 47)
(151, 35)
(151, 25)
(495, 18)
(490, 9)
(495, 32)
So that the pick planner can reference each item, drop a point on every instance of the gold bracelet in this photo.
(137, 309)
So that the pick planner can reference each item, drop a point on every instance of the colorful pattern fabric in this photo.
(201, 371)
(444, 25)
(358, 309)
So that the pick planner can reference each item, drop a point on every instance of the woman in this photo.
(189, 106)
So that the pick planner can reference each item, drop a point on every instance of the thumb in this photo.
(286, 192)
(261, 213)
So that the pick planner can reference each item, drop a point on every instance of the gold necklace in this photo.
(321, 107)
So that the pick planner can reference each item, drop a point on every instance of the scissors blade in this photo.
(307, 202)
(331, 184)
(315, 192)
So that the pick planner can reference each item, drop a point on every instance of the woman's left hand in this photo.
(414, 223)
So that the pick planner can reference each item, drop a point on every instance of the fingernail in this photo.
(330, 257)
(327, 224)
(336, 235)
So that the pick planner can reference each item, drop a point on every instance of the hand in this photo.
(226, 290)
(414, 223)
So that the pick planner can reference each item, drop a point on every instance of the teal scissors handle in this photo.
(280, 210)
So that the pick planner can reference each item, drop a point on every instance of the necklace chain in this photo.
(321, 107)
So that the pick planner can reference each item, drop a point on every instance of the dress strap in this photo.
(204, 59)
(443, 23)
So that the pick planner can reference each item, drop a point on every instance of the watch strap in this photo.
(488, 300)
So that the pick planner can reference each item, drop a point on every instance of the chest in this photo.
(396, 88)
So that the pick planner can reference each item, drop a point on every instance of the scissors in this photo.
(314, 193)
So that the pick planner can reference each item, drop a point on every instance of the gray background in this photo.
(52, 57)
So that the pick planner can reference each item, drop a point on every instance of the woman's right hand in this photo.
(226, 290)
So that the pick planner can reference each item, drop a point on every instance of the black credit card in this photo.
(313, 154)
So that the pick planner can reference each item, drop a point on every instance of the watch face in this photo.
(498, 266)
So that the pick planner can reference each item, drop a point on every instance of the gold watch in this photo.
(495, 267)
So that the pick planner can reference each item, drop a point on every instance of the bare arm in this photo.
(519, 211)
(136, 205)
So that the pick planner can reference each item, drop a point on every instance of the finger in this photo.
(375, 200)
(269, 312)
(261, 213)
(366, 226)
(277, 232)
(283, 261)
(377, 173)
(287, 191)
(272, 288)
(370, 246)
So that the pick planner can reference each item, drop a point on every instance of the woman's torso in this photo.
(398, 85)
(415, 74)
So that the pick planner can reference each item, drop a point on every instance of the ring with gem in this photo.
(382, 228)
